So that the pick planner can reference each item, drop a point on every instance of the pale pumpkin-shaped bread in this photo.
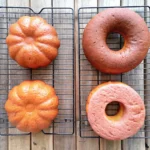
(32, 106)
(32, 42)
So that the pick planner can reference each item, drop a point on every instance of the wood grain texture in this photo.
(138, 84)
(60, 141)
(86, 3)
(78, 4)
(18, 142)
(40, 141)
(147, 83)
(38, 5)
(45, 142)
(85, 143)
(106, 144)
(3, 80)
(108, 3)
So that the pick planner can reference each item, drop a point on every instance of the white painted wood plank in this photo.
(3, 79)
(136, 144)
(3, 3)
(18, 142)
(85, 3)
(38, 5)
(40, 140)
(17, 3)
(85, 143)
(78, 4)
(67, 141)
(106, 144)
(108, 3)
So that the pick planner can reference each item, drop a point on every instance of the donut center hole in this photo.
(114, 111)
(112, 108)
(115, 41)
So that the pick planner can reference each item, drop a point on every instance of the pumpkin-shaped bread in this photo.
(32, 106)
(32, 42)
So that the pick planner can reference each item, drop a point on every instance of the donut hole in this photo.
(115, 41)
(112, 108)
(114, 111)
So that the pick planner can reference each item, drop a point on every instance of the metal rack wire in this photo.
(59, 74)
(89, 77)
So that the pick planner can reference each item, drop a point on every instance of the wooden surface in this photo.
(14, 140)
(40, 141)
(85, 143)
(106, 144)
(4, 140)
(138, 144)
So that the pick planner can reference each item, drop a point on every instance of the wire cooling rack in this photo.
(89, 77)
(59, 74)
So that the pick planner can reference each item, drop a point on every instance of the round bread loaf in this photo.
(32, 106)
(136, 40)
(128, 120)
(32, 42)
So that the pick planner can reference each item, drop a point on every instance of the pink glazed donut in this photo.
(128, 120)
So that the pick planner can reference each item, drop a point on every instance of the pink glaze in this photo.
(133, 114)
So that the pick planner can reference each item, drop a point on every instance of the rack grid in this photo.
(59, 74)
(89, 77)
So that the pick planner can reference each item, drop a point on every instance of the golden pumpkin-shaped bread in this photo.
(32, 106)
(32, 42)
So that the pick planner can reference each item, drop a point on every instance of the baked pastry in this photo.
(136, 40)
(128, 120)
(32, 42)
(32, 106)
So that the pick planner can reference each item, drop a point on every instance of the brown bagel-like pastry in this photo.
(125, 22)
